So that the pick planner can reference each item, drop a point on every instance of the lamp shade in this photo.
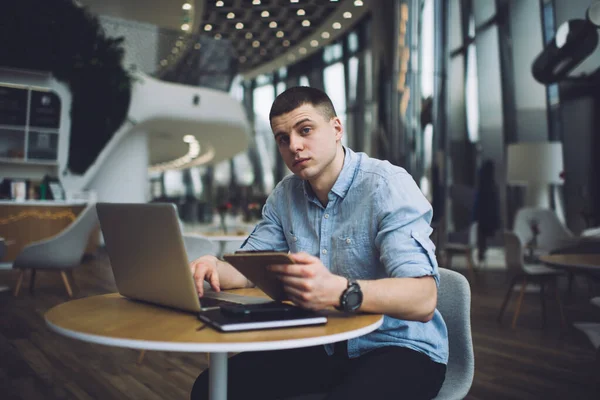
(534, 163)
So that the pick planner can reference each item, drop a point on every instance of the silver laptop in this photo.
(148, 257)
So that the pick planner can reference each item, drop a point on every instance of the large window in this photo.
(335, 87)
(472, 87)
(263, 98)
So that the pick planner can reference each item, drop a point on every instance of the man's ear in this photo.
(338, 127)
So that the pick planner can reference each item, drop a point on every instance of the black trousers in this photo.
(386, 373)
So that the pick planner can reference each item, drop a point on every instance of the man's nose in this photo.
(296, 143)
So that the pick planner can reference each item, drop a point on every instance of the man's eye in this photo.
(306, 130)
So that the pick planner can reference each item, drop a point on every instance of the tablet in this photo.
(253, 265)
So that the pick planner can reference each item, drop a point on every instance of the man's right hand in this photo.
(205, 268)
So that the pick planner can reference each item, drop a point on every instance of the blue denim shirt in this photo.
(375, 225)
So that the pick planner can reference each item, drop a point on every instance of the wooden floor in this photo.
(526, 363)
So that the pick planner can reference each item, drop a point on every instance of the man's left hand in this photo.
(309, 284)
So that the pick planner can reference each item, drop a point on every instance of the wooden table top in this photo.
(117, 321)
(578, 261)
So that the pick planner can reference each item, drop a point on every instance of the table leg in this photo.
(217, 385)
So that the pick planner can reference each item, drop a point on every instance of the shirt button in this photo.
(295, 239)
(348, 241)
(326, 216)
(324, 251)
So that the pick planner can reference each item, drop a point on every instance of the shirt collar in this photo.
(344, 180)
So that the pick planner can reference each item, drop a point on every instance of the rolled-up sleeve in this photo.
(268, 234)
(404, 218)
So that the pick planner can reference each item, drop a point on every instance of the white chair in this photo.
(552, 233)
(60, 253)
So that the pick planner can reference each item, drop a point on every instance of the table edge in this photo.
(215, 347)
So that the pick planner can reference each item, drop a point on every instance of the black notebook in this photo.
(245, 317)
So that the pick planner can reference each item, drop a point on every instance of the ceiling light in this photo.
(347, 14)
(314, 43)
(334, 1)
(293, 1)
(264, 14)
(256, 43)
(163, 62)
(248, 35)
(242, 59)
(185, 27)
(263, 51)
(174, 50)
(179, 43)
(306, 23)
(219, 4)
(272, 24)
(218, 36)
(279, 34)
(302, 50)
(358, 3)
(189, 138)
(255, 2)
(291, 57)
(230, 15)
(286, 43)
(301, 12)
(239, 25)
(208, 27)
(186, 6)
(325, 35)
(336, 25)
(197, 46)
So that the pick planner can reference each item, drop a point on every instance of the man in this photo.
(353, 225)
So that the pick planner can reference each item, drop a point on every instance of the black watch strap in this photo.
(353, 288)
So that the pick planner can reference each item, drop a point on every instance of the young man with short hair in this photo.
(353, 224)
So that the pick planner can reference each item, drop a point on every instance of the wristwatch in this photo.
(351, 298)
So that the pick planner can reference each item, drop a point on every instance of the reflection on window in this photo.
(471, 92)
(237, 88)
(280, 88)
(353, 42)
(196, 181)
(332, 53)
(304, 81)
(242, 170)
(335, 89)
(427, 49)
(174, 186)
(352, 78)
(223, 174)
(427, 160)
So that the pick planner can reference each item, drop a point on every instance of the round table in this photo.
(114, 320)
(581, 262)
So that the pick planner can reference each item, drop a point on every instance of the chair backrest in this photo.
(197, 246)
(552, 233)
(513, 252)
(454, 303)
(63, 250)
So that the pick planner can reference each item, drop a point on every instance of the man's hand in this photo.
(205, 268)
(309, 284)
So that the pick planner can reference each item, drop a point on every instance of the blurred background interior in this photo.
(491, 105)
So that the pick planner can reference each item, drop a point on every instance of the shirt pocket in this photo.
(350, 254)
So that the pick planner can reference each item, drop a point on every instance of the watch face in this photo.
(354, 299)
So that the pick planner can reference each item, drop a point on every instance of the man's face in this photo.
(307, 141)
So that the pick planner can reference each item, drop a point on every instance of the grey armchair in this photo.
(59, 253)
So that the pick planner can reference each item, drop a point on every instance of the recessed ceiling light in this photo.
(255, 2)
(334, 1)
(242, 59)
(314, 43)
(186, 6)
(208, 27)
(256, 43)
(279, 34)
(179, 43)
(248, 35)
(272, 24)
(230, 15)
(358, 3)
(197, 46)
(189, 138)
(185, 27)
(263, 51)
(239, 25)
(325, 35)
(306, 23)
(291, 57)
(301, 12)
(218, 36)
(293, 1)
(219, 4)
(264, 14)
(163, 62)
(302, 50)
(336, 25)
(347, 14)
(286, 43)
(174, 50)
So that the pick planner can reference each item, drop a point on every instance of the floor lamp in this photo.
(536, 165)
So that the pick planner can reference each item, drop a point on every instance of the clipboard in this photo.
(253, 265)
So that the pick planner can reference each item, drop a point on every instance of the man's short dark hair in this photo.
(297, 96)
